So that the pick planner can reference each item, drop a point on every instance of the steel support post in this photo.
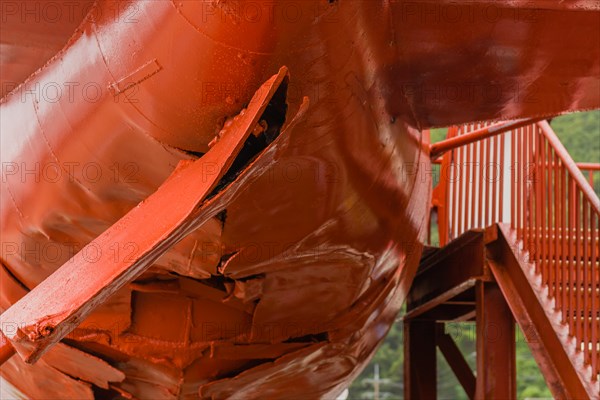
(420, 372)
(496, 367)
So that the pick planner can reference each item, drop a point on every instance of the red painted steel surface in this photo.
(439, 148)
(193, 194)
(32, 32)
(559, 359)
(289, 292)
(527, 179)
(6, 349)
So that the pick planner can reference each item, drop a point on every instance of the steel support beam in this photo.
(457, 362)
(496, 367)
(420, 367)
(445, 274)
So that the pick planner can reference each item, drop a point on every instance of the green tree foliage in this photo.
(580, 133)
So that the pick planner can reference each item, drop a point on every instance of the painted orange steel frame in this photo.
(454, 284)
(555, 216)
(289, 291)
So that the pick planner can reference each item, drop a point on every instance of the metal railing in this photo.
(527, 178)
(590, 169)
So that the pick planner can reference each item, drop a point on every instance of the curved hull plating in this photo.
(292, 289)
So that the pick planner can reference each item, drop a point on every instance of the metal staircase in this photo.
(516, 216)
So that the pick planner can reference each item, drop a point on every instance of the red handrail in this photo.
(566, 159)
(484, 132)
(590, 168)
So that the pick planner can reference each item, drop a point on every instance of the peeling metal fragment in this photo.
(84, 366)
(231, 351)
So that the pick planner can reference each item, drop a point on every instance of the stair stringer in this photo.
(554, 350)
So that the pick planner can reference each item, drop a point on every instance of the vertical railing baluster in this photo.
(522, 188)
(543, 207)
(489, 179)
(481, 179)
(572, 272)
(461, 185)
(533, 166)
(538, 201)
(586, 281)
(454, 183)
(494, 143)
(501, 139)
(577, 265)
(557, 230)
(472, 183)
(531, 192)
(549, 216)
(516, 195)
(513, 186)
(564, 243)
(594, 225)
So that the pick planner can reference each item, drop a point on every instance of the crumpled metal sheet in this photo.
(332, 221)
